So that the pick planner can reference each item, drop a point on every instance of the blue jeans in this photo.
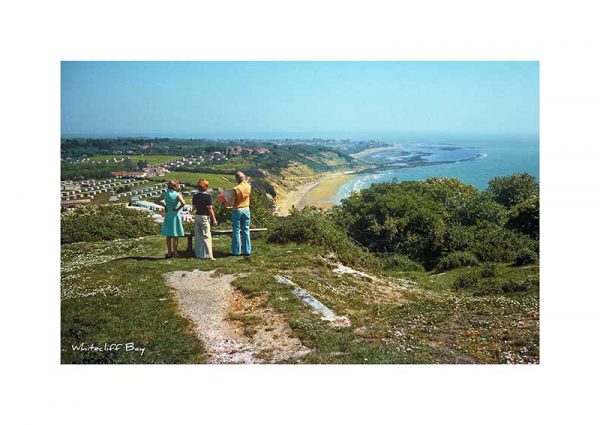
(240, 222)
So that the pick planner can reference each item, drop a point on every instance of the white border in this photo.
(37, 35)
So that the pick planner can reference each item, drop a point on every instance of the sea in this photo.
(473, 162)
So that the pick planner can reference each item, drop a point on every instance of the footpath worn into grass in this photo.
(118, 292)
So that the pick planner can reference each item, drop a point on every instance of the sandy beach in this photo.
(317, 193)
(320, 191)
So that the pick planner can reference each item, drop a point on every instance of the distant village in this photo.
(206, 157)
(75, 194)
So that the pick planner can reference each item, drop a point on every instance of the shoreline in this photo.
(308, 194)
(320, 192)
(362, 154)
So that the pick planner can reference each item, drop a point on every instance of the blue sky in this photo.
(310, 99)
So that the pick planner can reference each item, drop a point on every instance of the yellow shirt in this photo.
(242, 196)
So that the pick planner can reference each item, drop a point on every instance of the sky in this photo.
(308, 99)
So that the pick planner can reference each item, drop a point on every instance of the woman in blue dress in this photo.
(172, 227)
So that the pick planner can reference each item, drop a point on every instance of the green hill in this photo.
(116, 291)
(447, 274)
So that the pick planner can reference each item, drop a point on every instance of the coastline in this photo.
(321, 195)
(362, 154)
(318, 192)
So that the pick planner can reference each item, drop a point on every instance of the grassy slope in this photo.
(225, 181)
(108, 297)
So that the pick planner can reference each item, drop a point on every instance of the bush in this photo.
(489, 241)
(513, 285)
(312, 226)
(476, 285)
(465, 280)
(480, 207)
(489, 270)
(457, 260)
(400, 262)
(488, 281)
(511, 190)
(107, 222)
(525, 217)
(525, 257)
(426, 220)
(396, 217)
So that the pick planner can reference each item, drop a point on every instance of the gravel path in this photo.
(209, 300)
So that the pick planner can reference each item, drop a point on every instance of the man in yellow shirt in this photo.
(240, 217)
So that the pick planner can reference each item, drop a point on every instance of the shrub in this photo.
(457, 260)
(525, 257)
(511, 190)
(425, 220)
(396, 217)
(483, 282)
(514, 285)
(400, 262)
(107, 222)
(487, 287)
(489, 241)
(314, 227)
(525, 217)
(480, 207)
(465, 280)
(476, 285)
(489, 270)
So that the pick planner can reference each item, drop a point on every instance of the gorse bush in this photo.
(315, 227)
(93, 223)
(489, 270)
(457, 260)
(525, 217)
(488, 241)
(400, 262)
(428, 220)
(396, 218)
(514, 189)
(466, 280)
(480, 207)
(525, 257)
(489, 281)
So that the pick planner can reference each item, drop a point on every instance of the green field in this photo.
(226, 181)
(152, 159)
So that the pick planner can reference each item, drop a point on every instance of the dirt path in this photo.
(233, 328)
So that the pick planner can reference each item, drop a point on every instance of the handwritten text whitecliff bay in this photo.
(107, 346)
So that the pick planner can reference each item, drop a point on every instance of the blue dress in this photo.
(172, 226)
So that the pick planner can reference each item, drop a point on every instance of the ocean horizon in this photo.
(471, 161)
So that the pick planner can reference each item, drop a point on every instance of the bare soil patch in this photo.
(233, 327)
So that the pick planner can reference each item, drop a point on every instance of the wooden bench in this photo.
(190, 237)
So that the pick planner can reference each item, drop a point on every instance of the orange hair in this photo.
(203, 184)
